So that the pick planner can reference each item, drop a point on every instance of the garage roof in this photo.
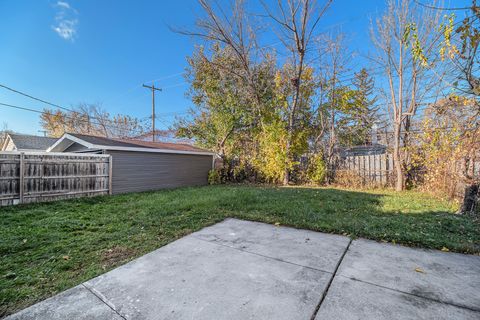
(102, 143)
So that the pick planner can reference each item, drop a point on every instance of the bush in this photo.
(317, 170)
(348, 179)
(215, 177)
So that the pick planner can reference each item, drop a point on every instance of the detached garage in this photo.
(143, 165)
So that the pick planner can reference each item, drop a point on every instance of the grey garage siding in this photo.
(142, 171)
(77, 147)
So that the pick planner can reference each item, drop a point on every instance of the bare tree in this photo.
(333, 63)
(90, 119)
(238, 34)
(297, 21)
(459, 42)
(410, 81)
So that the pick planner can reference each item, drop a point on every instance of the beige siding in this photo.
(142, 171)
(10, 146)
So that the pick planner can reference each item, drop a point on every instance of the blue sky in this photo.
(69, 52)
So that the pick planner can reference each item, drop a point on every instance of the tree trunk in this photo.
(286, 177)
(400, 179)
(471, 199)
(286, 174)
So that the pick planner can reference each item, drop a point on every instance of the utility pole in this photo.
(152, 87)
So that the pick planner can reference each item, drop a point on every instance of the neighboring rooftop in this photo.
(24, 142)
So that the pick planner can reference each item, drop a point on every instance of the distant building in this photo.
(26, 143)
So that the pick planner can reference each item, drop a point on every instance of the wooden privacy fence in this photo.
(372, 169)
(35, 177)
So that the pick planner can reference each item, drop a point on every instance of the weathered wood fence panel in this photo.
(378, 169)
(372, 169)
(37, 177)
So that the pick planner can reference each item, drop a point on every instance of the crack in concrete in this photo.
(261, 255)
(414, 295)
(325, 292)
(103, 299)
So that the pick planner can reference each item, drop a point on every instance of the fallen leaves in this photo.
(419, 270)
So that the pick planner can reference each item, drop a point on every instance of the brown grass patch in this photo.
(115, 256)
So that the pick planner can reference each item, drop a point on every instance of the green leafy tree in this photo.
(225, 115)
(276, 134)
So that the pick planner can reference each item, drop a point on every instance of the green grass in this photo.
(46, 248)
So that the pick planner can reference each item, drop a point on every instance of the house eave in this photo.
(116, 148)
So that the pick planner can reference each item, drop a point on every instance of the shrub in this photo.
(317, 170)
(348, 178)
(214, 177)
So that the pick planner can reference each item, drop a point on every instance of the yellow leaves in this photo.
(272, 158)
(446, 47)
(453, 51)
(278, 79)
(307, 74)
(442, 53)
(445, 249)
(419, 270)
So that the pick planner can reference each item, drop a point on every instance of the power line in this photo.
(173, 75)
(44, 101)
(35, 98)
(65, 116)
(45, 112)
(441, 8)
(21, 108)
(88, 120)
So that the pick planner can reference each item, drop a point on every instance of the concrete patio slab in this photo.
(354, 300)
(75, 303)
(195, 279)
(442, 276)
(248, 270)
(307, 248)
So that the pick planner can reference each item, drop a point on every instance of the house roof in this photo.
(102, 143)
(166, 145)
(29, 142)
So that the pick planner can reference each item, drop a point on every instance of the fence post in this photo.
(21, 187)
(110, 174)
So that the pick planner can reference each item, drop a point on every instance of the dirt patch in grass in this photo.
(115, 256)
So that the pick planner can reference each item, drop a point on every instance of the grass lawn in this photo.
(47, 248)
